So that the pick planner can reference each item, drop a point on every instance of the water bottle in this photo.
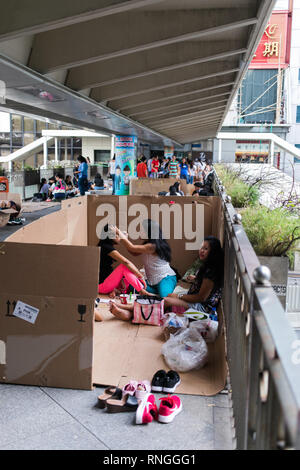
(213, 316)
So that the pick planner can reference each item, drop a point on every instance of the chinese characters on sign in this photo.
(273, 49)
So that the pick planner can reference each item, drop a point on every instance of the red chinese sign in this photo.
(274, 48)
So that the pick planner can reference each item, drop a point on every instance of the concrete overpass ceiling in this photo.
(165, 70)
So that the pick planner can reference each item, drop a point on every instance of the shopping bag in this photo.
(148, 310)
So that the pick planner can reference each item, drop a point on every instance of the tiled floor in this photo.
(33, 418)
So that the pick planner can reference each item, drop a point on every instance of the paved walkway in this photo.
(35, 418)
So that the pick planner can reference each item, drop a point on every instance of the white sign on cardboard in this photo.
(26, 312)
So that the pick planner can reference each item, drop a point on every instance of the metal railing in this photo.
(263, 352)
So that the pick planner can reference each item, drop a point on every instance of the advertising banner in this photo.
(168, 151)
(274, 48)
(125, 150)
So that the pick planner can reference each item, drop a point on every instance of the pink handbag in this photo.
(148, 310)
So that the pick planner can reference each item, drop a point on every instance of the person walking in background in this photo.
(155, 167)
(173, 167)
(149, 167)
(82, 175)
(141, 168)
(112, 171)
(184, 169)
(192, 173)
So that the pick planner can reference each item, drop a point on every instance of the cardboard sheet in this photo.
(61, 283)
(65, 227)
(151, 187)
(123, 351)
(181, 259)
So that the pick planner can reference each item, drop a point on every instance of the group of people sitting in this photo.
(203, 187)
(57, 189)
(169, 167)
(161, 278)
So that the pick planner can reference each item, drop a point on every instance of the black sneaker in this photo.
(171, 381)
(158, 381)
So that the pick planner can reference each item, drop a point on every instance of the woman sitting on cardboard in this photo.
(156, 252)
(205, 292)
(110, 280)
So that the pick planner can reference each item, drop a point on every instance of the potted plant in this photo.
(273, 233)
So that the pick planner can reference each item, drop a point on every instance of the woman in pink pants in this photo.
(111, 279)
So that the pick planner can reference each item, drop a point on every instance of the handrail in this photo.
(262, 348)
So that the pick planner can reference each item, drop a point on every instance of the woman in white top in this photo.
(161, 279)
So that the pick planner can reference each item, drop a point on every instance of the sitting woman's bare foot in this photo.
(120, 313)
(112, 295)
(145, 292)
(98, 316)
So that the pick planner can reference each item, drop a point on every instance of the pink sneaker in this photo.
(169, 408)
(147, 410)
(130, 388)
(142, 389)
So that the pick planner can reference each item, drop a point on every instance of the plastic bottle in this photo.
(213, 316)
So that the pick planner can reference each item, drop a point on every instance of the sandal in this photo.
(130, 388)
(110, 392)
(142, 389)
(127, 403)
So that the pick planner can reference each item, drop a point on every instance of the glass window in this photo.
(40, 126)
(297, 145)
(17, 139)
(16, 123)
(4, 151)
(52, 126)
(28, 138)
(298, 115)
(5, 139)
(77, 143)
(28, 124)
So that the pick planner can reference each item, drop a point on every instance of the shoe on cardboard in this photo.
(172, 380)
(169, 408)
(158, 381)
(147, 410)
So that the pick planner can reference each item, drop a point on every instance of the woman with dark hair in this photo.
(156, 253)
(206, 289)
(111, 279)
(44, 189)
(82, 175)
(178, 188)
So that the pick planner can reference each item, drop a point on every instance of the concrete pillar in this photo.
(66, 149)
(220, 150)
(56, 149)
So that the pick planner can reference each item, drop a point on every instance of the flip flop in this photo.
(126, 403)
(109, 393)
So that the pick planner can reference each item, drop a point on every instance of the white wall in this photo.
(4, 122)
(89, 144)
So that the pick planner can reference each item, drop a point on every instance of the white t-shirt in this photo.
(112, 165)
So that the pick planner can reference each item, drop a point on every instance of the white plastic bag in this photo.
(185, 351)
(174, 324)
(207, 328)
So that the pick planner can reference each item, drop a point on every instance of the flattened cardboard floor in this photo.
(123, 351)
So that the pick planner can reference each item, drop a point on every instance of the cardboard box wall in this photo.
(151, 186)
(53, 265)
